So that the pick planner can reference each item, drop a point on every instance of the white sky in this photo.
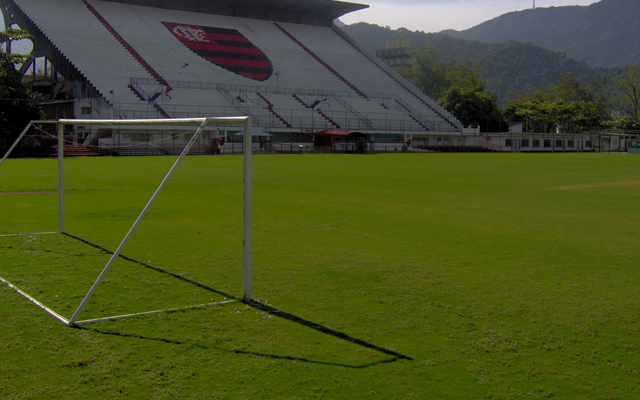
(437, 15)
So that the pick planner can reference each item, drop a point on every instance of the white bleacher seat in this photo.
(109, 66)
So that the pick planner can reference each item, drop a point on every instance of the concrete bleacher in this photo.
(342, 56)
(142, 27)
(174, 61)
(133, 60)
(69, 31)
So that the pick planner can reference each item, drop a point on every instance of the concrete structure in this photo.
(398, 53)
(281, 62)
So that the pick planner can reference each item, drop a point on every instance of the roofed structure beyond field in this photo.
(282, 62)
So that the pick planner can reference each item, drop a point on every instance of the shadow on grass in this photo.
(255, 304)
(189, 281)
(250, 353)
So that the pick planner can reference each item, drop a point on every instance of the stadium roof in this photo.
(283, 10)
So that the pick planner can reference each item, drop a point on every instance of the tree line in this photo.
(568, 104)
(509, 66)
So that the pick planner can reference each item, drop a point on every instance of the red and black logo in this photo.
(226, 48)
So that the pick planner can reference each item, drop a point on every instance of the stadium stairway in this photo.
(161, 110)
(416, 120)
(347, 61)
(347, 58)
(107, 68)
(437, 109)
(149, 99)
(138, 94)
(126, 45)
(272, 111)
(295, 96)
(74, 150)
(25, 14)
(324, 64)
(325, 116)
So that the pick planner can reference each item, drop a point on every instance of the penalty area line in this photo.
(91, 321)
(36, 302)
(29, 234)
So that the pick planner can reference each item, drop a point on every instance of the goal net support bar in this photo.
(201, 123)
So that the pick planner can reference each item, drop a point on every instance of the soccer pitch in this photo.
(398, 276)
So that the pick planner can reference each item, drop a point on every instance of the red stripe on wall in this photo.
(238, 62)
(229, 49)
(258, 77)
(127, 46)
(231, 38)
(322, 62)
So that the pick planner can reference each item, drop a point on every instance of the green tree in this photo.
(428, 73)
(566, 103)
(629, 84)
(467, 75)
(625, 124)
(18, 105)
(434, 76)
(591, 91)
(458, 87)
(474, 108)
(536, 114)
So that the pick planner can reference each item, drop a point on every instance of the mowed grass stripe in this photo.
(499, 275)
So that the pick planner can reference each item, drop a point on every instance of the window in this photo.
(507, 142)
(279, 137)
(569, 143)
(559, 143)
(587, 143)
(536, 142)
(525, 142)
(85, 110)
(547, 143)
(387, 138)
(139, 137)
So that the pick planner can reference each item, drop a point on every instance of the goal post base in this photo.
(91, 321)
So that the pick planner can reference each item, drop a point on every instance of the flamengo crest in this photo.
(226, 48)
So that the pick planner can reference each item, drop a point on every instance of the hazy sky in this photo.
(436, 15)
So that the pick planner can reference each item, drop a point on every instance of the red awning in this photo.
(330, 132)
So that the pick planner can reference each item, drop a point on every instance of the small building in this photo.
(398, 53)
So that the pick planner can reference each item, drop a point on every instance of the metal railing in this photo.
(433, 123)
(301, 120)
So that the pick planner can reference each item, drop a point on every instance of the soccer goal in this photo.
(201, 124)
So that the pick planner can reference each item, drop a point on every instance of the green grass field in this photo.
(399, 276)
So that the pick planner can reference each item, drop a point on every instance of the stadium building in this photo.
(302, 80)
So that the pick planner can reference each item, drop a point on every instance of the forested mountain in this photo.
(604, 34)
(509, 67)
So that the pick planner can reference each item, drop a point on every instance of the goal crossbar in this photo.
(201, 123)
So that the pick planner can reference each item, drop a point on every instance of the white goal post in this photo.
(201, 123)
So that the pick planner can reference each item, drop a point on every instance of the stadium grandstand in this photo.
(302, 80)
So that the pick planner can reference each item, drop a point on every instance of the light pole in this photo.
(113, 96)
